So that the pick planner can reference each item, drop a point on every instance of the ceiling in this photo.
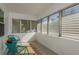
(28, 8)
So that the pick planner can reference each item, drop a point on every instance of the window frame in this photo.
(59, 22)
(26, 22)
(69, 8)
(46, 24)
(2, 17)
(12, 25)
(34, 27)
(39, 22)
(21, 23)
(60, 18)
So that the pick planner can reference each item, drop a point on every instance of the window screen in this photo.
(25, 26)
(44, 25)
(39, 26)
(71, 10)
(54, 25)
(34, 26)
(15, 26)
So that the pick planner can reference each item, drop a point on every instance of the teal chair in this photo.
(12, 44)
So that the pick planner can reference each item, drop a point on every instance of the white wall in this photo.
(60, 45)
(0, 47)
